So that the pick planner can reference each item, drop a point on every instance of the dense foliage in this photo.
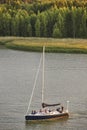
(43, 18)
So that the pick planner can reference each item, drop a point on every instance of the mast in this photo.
(43, 74)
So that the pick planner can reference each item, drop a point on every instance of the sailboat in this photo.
(45, 113)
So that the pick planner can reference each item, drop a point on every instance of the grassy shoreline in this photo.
(52, 45)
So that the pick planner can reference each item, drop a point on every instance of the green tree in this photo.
(74, 21)
(56, 32)
(33, 18)
(50, 22)
(37, 28)
(21, 22)
(78, 24)
(68, 24)
(29, 30)
(5, 23)
(84, 24)
(43, 24)
(1, 24)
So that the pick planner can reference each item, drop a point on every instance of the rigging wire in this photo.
(34, 85)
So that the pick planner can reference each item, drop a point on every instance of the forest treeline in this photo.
(44, 18)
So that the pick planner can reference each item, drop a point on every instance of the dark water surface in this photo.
(65, 79)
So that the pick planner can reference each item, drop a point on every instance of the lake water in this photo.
(65, 79)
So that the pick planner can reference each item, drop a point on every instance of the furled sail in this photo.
(49, 105)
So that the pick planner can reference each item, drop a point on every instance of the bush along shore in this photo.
(48, 49)
(52, 45)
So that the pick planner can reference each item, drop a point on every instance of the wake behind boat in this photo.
(47, 111)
